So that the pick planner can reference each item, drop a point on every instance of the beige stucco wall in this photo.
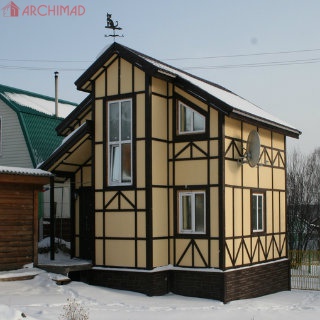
(241, 179)
(173, 168)
(124, 226)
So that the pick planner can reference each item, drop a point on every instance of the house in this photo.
(163, 197)
(28, 123)
(19, 188)
(28, 136)
(10, 10)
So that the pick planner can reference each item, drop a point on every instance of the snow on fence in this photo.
(305, 269)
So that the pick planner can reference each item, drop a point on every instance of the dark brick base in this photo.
(225, 286)
(257, 281)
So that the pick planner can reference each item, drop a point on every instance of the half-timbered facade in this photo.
(161, 187)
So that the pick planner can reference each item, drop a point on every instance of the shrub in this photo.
(74, 311)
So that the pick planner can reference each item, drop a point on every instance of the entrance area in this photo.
(86, 222)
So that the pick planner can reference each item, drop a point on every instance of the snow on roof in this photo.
(24, 171)
(224, 95)
(41, 104)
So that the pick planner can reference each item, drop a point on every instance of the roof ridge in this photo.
(33, 94)
(143, 55)
(221, 97)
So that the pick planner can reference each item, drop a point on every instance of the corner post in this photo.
(52, 218)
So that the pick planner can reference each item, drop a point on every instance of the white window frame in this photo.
(258, 214)
(192, 195)
(193, 113)
(118, 144)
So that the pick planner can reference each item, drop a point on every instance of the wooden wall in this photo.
(18, 225)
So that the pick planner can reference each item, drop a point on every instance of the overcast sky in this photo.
(266, 51)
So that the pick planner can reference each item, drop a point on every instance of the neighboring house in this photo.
(28, 123)
(19, 188)
(163, 199)
(27, 133)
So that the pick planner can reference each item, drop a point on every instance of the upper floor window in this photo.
(257, 212)
(192, 212)
(190, 121)
(120, 142)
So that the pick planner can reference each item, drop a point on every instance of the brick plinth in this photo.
(243, 283)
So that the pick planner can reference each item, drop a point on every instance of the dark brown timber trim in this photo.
(148, 155)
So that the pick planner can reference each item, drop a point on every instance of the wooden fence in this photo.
(305, 269)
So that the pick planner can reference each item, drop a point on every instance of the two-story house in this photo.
(164, 199)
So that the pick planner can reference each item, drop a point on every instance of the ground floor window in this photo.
(192, 212)
(257, 211)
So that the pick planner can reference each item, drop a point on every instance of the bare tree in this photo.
(303, 199)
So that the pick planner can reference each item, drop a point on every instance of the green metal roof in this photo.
(38, 122)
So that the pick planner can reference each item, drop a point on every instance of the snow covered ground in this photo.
(42, 299)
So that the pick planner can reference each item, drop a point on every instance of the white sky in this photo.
(288, 87)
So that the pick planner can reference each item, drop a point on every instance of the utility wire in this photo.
(245, 55)
(40, 68)
(258, 64)
(225, 66)
(208, 67)
(171, 59)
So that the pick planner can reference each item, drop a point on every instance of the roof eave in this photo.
(65, 124)
(86, 129)
(288, 131)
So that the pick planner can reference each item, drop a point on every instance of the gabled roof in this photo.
(219, 97)
(73, 152)
(67, 125)
(37, 120)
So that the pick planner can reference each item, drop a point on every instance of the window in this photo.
(192, 212)
(120, 142)
(257, 212)
(0, 136)
(190, 121)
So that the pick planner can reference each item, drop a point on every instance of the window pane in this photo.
(257, 212)
(254, 212)
(185, 118)
(126, 162)
(115, 163)
(198, 122)
(260, 212)
(199, 212)
(114, 121)
(125, 120)
(186, 212)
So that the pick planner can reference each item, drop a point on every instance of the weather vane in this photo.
(113, 26)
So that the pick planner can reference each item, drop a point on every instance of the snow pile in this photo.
(42, 105)
(24, 171)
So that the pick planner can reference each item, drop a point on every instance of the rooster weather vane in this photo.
(113, 26)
